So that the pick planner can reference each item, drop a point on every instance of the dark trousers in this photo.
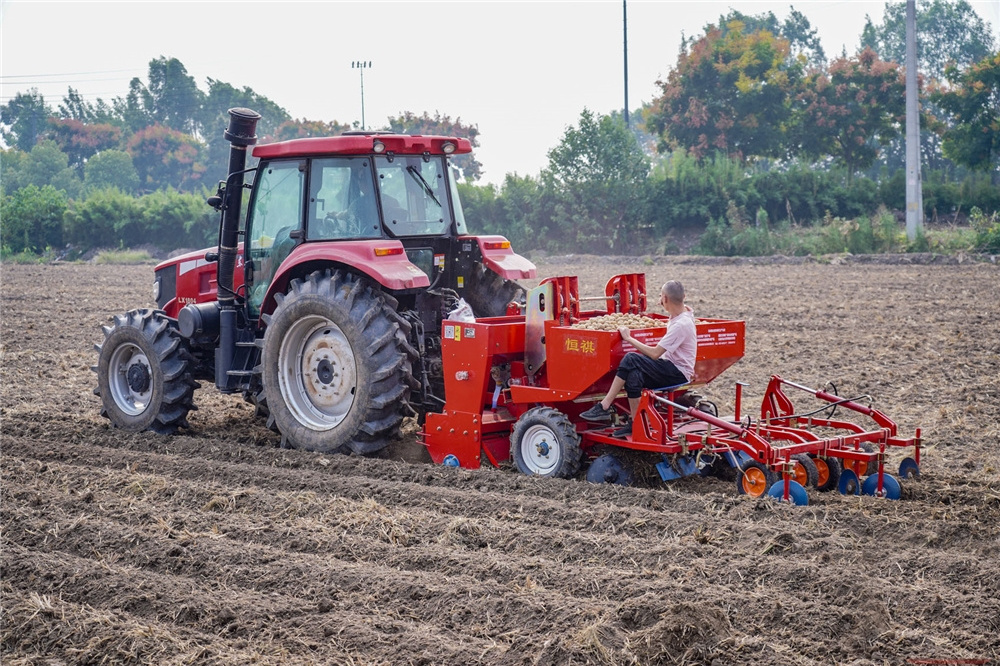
(641, 372)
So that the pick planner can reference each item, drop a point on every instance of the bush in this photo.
(31, 219)
(106, 218)
(987, 229)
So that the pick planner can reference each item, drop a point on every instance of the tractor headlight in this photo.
(447, 147)
(156, 290)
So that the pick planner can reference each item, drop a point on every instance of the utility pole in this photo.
(361, 66)
(625, 34)
(914, 187)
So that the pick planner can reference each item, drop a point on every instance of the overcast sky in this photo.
(521, 71)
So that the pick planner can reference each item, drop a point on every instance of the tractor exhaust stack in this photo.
(240, 134)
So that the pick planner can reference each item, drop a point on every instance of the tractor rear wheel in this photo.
(143, 373)
(336, 365)
(489, 293)
(545, 443)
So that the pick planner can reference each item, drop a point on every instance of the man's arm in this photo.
(644, 349)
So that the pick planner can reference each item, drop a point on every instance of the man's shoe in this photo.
(624, 431)
(597, 413)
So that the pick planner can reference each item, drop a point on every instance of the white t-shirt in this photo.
(680, 343)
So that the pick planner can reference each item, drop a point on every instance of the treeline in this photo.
(754, 131)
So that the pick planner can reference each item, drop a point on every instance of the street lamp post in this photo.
(361, 66)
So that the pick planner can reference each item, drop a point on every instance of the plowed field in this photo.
(219, 547)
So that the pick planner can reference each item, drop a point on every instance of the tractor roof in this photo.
(365, 144)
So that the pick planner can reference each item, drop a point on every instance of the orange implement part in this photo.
(800, 474)
(823, 472)
(754, 482)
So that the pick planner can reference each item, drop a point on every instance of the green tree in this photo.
(304, 129)
(47, 165)
(171, 98)
(166, 158)
(214, 118)
(851, 109)
(11, 168)
(31, 219)
(136, 108)
(949, 32)
(110, 168)
(22, 120)
(74, 107)
(174, 94)
(973, 101)
(597, 175)
(730, 92)
(409, 123)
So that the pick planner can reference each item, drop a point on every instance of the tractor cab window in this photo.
(342, 200)
(414, 194)
(276, 211)
(460, 226)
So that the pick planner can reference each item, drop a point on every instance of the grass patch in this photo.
(124, 257)
(24, 257)
(735, 235)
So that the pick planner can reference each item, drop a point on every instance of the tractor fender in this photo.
(384, 261)
(502, 260)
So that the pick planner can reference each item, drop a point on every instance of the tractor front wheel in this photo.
(143, 373)
(545, 443)
(336, 367)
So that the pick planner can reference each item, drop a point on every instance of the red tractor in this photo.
(325, 307)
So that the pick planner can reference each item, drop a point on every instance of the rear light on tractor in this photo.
(496, 245)
(388, 251)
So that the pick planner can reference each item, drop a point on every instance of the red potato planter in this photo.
(516, 385)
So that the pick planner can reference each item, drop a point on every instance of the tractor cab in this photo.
(353, 188)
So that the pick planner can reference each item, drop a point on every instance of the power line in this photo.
(32, 76)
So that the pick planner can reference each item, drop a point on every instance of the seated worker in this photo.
(669, 363)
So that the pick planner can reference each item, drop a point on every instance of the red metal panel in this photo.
(630, 288)
(503, 260)
(391, 271)
(361, 144)
(469, 350)
(581, 361)
(196, 278)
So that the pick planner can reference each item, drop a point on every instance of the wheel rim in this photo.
(317, 373)
(754, 481)
(130, 379)
(822, 472)
(800, 475)
(540, 450)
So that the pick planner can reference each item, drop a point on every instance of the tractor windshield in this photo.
(415, 195)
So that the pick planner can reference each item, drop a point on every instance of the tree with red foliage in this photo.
(851, 109)
(729, 93)
(80, 141)
(164, 157)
